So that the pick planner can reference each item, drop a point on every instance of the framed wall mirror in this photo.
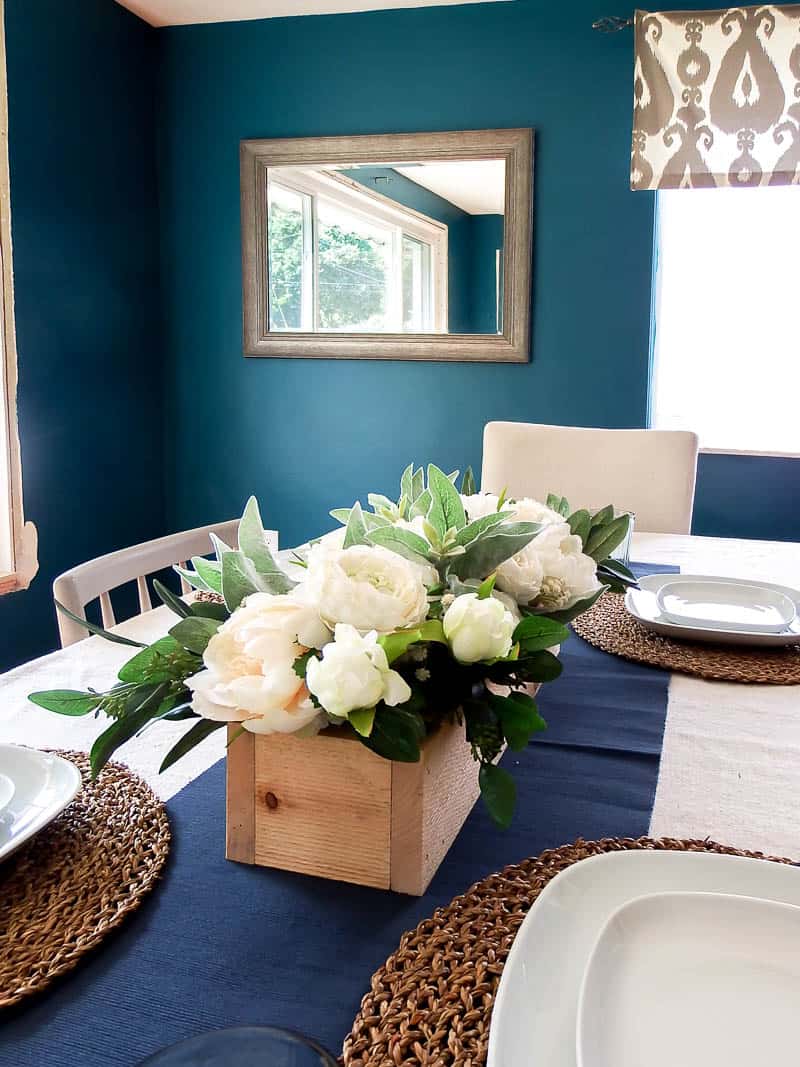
(397, 246)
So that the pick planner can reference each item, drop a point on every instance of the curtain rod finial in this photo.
(612, 23)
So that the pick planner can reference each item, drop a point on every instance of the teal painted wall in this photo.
(307, 436)
(84, 216)
(487, 240)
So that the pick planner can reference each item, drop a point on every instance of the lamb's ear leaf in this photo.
(210, 573)
(404, 542)
(199, 732)
(447, 510)
(341, 515)
(468, 487)
(356, 530)
(480, 526)
(253, 545)
(417, 485)
(486, 553)
(407, 482)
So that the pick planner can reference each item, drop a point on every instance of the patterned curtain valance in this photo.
(717, 98)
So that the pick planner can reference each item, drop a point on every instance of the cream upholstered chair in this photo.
(81, 585)
(648, 472)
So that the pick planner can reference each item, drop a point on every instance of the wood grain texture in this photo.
(323, 807)
(240, 796)
(514, 146)
(430, 802)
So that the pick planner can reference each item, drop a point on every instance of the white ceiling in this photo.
(477, 186)
(184, 12)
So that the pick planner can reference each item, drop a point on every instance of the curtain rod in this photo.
(612, 24)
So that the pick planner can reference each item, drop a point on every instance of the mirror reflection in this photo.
(412, 247)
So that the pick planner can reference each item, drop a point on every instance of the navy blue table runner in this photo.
(221, 944)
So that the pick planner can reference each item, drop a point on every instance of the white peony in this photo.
(249, 675)
(551, 573)
(526, 509)
(354, 673)
(478, 629)
(366, 586)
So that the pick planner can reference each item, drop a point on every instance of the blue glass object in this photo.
(244, 1046)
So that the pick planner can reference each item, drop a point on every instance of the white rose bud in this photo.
(478, 629)
(354, 673)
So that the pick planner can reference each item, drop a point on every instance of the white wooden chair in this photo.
(648, 472)
(81, 585)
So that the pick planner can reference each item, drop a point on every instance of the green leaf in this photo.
(378, 500)
(195, 633)
(539, 632)
(143, 704)
(356, 531)
(580, 523)
(519, 718)
(193, 578)
(447, 510)
(404, 542)
(603, 516)
(341, 515)
(619, 570)
(486, 553)
(210, 573)
(253, 546)
(499, 792)
(220, 548)
(558, 503)
(577, 609)
(362, 720)
(397, 643)
(301, 662)
(204, 609)
(540, 666)
(418, 487)
(396, 734)
(66, 701)
(172, 601)
(199, 732)
(116, 639)
(150, 664)
(468, 487)
(485, 588)
(603, 540)
(478, 527)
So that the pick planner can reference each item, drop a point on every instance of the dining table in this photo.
(630, 750)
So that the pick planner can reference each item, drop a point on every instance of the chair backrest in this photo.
(648, 472)
(81, 585)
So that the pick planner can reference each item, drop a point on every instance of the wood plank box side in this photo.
(328, 806)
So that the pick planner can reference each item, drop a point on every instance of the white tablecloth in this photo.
(730, 765)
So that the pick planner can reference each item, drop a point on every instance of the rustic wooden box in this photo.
(330, 807)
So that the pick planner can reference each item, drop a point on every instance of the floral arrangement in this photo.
(441, 606)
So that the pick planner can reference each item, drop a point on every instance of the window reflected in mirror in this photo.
(374, 248)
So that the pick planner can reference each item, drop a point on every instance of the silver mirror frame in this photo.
(515, 147)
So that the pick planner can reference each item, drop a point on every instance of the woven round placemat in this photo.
(610, 627)
(62, 893)
(431, 1001)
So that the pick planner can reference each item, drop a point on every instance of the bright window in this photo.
(727, 341)
(345, 259)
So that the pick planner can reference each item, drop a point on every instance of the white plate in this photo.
(6, 791)
(696, 979)
(726, 605)
(43, 786)
(534, 1019)
(642, 603)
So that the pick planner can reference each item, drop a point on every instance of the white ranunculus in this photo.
(354, 673)
(249, 675)
(478, 629)
(551, 573)
(366, 586)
